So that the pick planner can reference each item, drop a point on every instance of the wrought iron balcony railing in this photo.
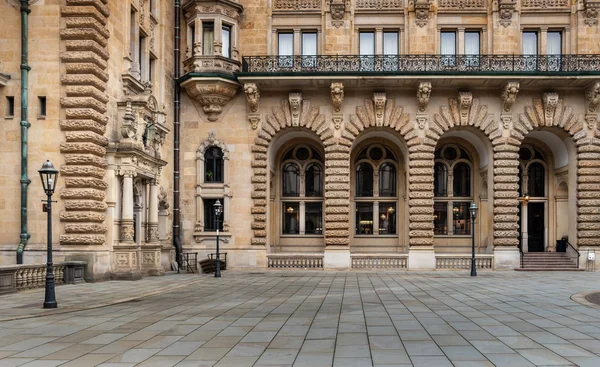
(424, 64)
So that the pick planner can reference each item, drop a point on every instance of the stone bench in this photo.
(14, 278)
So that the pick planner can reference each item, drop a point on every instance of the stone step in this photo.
(549, 269)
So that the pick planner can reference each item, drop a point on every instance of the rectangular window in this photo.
(554, 50)
(151, 68)
(364, 218)
(10, 106)
(142, 58)
(448, 48)
(42, 110)
(132, 38)
(286, 49)
(472, 48)
(461, 218)
(226, 41)
(440, 218)
(387, 218)
(192, 33)
(210, 223)
(366, 44)
(309, 49)
(390, 51)
(291, 217)
(530, 50)
(313, 218)
(208, 38)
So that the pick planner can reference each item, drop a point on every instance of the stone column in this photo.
(153, 213)
(127, 225)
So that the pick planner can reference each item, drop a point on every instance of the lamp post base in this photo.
(50, 305)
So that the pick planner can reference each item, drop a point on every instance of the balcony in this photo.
(537, 70)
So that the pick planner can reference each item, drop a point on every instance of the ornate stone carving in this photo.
(509, 95)
(550, 100)
(152, 233)
(592, 97)
(337, 96)
(254, 119)
(163, 199)
(545, 4)
(506, 120)
(590, 120)
(379, 4)
(590, 12)
(338, 10)
(465, 99)
(148, 258)
(127, 231)
(212, 95)
(462, 4)
(252, 96)
(421, 120)
(423, 94)
(297, 4)
(506, 8)
(379, 99)
(421, 8)
(295, 107)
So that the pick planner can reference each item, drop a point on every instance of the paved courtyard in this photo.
(309, 319)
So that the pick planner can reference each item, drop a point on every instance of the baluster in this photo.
(19, 279)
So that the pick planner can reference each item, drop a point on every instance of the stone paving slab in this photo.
(309, 318)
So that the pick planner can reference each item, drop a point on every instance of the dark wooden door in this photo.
(535, 227)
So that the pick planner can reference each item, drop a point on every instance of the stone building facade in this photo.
(337, 134)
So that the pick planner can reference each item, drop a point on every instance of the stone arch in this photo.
(212, 142)
(462, 111)
(294, 114)
(550, 111)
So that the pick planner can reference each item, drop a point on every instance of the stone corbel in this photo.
(295, 99)
(337, 9)
(337, 98)
(465, 100)
(379, 99)
(509, 95)
(590, 12)
(550, 100)
(421, 8)
(423, 94)
(506, 8)
(253, 98)
(212, 95)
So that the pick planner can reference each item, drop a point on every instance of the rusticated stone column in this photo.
(84, 38)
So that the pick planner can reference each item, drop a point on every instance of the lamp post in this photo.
(218, 210)
(473, 209)
(49, 174)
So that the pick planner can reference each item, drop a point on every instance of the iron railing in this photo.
(424, 64)
(573, 252)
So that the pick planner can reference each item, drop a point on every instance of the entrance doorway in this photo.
(535, 227)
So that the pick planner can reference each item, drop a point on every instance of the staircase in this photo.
(547, 261)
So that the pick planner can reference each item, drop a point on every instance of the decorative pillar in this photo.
(153, 213)
(125, 254)
(127, 225)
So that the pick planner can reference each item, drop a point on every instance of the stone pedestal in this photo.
(506, 258)
(337, 258)
(125, 263)
(421, 258)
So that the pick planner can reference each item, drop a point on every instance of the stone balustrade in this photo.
(545, 4)
(379, 4)
(456, 262)
(15, 278)
(302, 261)
(462, 4)
(387, 261)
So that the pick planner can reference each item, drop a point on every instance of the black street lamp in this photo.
(218, 210)
(473, 209)
(49, 175)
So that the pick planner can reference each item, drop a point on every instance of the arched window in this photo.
(314, 180)
(364, 180)
(452, 191)
(213, 165)
(302, 163)
(536, 180)
(373, 215)
(387, 180)
(462, 180)
(440, 179)
(291, 180)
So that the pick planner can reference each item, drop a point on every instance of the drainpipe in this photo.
(25, 181)
(176, 128)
